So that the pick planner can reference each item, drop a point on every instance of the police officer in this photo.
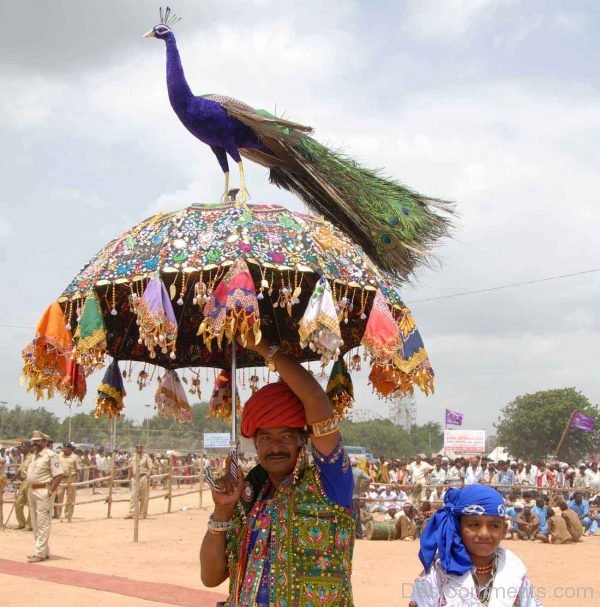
(143, 493)
(71, 467)
(44, 475)
(22, 495)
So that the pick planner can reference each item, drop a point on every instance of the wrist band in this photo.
(272, 352)
(324, 427)
(218, 526)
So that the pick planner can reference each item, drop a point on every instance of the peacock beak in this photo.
(149, 34)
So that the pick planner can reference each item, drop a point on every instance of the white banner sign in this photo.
(216, 440)
(464, 441)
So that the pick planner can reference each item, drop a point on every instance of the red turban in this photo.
(273, 406)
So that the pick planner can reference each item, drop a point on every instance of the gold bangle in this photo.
(324, 427)
(215, 532)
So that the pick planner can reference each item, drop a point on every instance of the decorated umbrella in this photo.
(177, 289)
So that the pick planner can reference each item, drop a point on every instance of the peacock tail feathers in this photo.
(394, 225)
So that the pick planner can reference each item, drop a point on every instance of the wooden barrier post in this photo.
(169, 495)
(111, 482)
(201, 477)
(136, 480)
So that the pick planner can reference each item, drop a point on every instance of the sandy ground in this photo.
(167, 551)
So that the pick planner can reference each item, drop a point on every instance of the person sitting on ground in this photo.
(392, 514)
(529, 524)
(595, 515)
(406, 522)
(425, 513)
(389, 495)
(512, 520)
(372, 495)
(365, 515)
(437, 494)
(557, 530)
(572, 520)
(541, 512)
(463, 561)
(582, 508)
(401, 496)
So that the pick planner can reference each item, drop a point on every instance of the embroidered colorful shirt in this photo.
(306, 527)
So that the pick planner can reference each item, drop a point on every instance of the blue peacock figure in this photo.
(393, 224)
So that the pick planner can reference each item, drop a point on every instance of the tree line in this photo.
(531, 425)
(380, 437)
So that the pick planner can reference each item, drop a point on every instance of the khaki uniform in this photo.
(557, 529)
(43, 467)
(143, 493)
(405, 527)
(70, 465)
(22, 496)
(573, 524)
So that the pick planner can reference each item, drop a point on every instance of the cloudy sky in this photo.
(492, 103)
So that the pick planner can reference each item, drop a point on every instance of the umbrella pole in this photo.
(233, 444)
(233, 453)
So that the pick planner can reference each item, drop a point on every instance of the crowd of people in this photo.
(442, 470)
(94, 468)
(304, 509)
(554, 503)
(97, 463)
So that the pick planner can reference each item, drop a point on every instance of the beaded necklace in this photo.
(484, 592)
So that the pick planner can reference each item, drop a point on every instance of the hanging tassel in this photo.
(142, 379)
(254, 380)
(73, 387)
(319, 328)
(46, 358)
(90, 337)
(171, 400)
(232, 309)
(222, 397)
(412, 359)
(386, 379)
(109, 400)
(340, 389)
(381, 337)
(156, 319)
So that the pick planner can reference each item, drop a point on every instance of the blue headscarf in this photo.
(442, 532)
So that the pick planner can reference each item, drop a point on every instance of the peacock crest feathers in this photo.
(167, 17)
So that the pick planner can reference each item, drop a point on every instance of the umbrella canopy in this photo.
(173, 290)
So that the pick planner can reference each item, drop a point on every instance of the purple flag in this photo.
(453, 418)
(583, 422)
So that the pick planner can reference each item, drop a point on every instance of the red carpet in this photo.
(151, 591)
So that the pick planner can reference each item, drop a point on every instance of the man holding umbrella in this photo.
(44, 475)
(297, 518)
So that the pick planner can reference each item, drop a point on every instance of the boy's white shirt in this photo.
(438, 588)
